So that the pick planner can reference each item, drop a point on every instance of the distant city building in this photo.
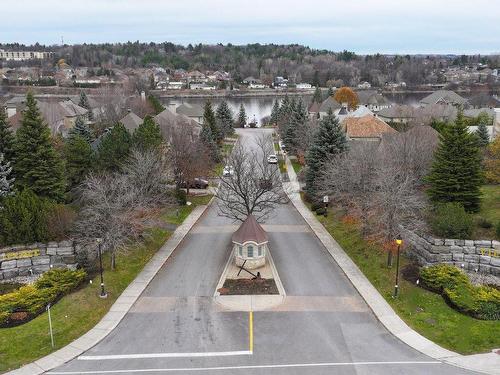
(24, 55)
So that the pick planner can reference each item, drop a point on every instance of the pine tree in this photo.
(329, 140)
(242, 117)
(6, 182)
(317, 97)
(114, 148)
(6, 137)
(208, 139)
(482, 134)
(37, 164)
(224, 117)
(84, 103)
(330, 92)
(157, 106)
(275, 113)
(298, 118)
(456, 174)
(78, 155)
(148, 135)
(209, 119)
(82, 129)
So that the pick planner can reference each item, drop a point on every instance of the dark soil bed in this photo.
(248, 286)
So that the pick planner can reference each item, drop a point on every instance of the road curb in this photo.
(488, 363)
(119, 309)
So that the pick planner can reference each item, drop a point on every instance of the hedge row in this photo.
(28, 301)
(482, 302)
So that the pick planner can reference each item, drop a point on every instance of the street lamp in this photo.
(103, 292)
(399, 241)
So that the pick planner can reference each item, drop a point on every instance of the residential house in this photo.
(251, 80)
(192, 111)
(196, 76)
(24, 55)
(280, 82)
(303, 86)
(131, 121)
(443, 97)
(483, 100)
(326, 105)
(169, 122)
(372, 100)
(365, 128)
(401, 114)
(364, 85)
(175, 85)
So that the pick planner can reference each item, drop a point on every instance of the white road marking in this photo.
(249, 367)
(162, 355)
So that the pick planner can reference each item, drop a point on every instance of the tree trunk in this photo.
(113, 261)
(389, 258)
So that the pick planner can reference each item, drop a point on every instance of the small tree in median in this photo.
(224, 118)
(242, 117)
(456, 174)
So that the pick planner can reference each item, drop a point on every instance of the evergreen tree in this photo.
(84, 103)
(6, 182)
(456, 174)
(329, 140)
(114, 147)
(330, 92)
(148, 135)
(242, 117)
(6, 137)
(275, 113)
(224, 117)
(82, 129)
(316, 79)
(317, 97)
(298, 118)
(482, 134)
(157, 106)
(209, 119)
(208, 140)
(37, 164)
(78, 155)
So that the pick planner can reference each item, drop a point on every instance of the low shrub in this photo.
(484, 223)
(181, 197)
(317, 205)
(60, 219)
(321, 211)
(497, 229)
(450, 220)
(482, 302)
(33, 299)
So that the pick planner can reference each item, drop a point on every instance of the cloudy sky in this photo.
(363, 26)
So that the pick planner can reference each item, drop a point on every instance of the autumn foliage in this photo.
(492, 162)
(346, 95)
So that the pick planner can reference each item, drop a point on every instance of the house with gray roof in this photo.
(443, 97)
(193, 111)
(169, 122)
(131, 121)
(372, 100)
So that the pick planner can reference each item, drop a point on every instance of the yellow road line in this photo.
(250, 331)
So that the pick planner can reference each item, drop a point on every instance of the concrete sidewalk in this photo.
(121, 306)
(488, 363)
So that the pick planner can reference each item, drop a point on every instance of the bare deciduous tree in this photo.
(255, 188)
(118, 206)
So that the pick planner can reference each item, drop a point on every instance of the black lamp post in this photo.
(399, 241)
(103, 292)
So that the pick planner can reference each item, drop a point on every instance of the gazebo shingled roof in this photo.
(250, 230)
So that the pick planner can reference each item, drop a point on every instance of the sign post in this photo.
(50, 326)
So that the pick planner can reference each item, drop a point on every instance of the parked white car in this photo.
(228, 171)
(272, 159)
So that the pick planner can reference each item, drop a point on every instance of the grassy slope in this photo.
(424, 311)
(296, 165)
(78, 312)
(490, 210)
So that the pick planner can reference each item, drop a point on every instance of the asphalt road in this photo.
(324, 326)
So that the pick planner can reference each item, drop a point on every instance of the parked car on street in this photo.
(196, 183)
(272, 159)
(228, 171)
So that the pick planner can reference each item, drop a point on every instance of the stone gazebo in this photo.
(250, 244)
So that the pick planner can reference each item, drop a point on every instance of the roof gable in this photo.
(250, 230)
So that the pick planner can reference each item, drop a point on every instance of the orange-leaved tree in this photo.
(492, 162)
(346, 95)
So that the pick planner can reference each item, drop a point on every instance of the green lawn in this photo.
(424, 311)
(282, 165)
(296, 165)
(78, 312)
(490, 210)
(276, 147)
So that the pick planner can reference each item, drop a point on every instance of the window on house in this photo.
(250, 251)
(260, 251)
(240, 250)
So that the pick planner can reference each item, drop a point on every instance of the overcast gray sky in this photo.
(363, 26)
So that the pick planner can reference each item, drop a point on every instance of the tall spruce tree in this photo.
(114, 148)
(298, 118)
(157, 106)
(456, 174)
(6, 137)
(82, 129)
(37, 165)
(84, 103)
(317, 97)
(242, 117)
(330, 92)
(329, 141)
(6, 180)
(209, 119)
(275, 113)
(482, 134)
(148, 135)
(208, 140)
(79, 157)
(224, 118)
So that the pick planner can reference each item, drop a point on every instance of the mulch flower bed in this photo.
(248, 286)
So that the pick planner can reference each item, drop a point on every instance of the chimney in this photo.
(143, 96)
(496, 124)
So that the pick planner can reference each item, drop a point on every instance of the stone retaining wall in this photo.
(475, 255)
(24, 260)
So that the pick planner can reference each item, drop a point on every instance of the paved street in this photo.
(323, 327)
